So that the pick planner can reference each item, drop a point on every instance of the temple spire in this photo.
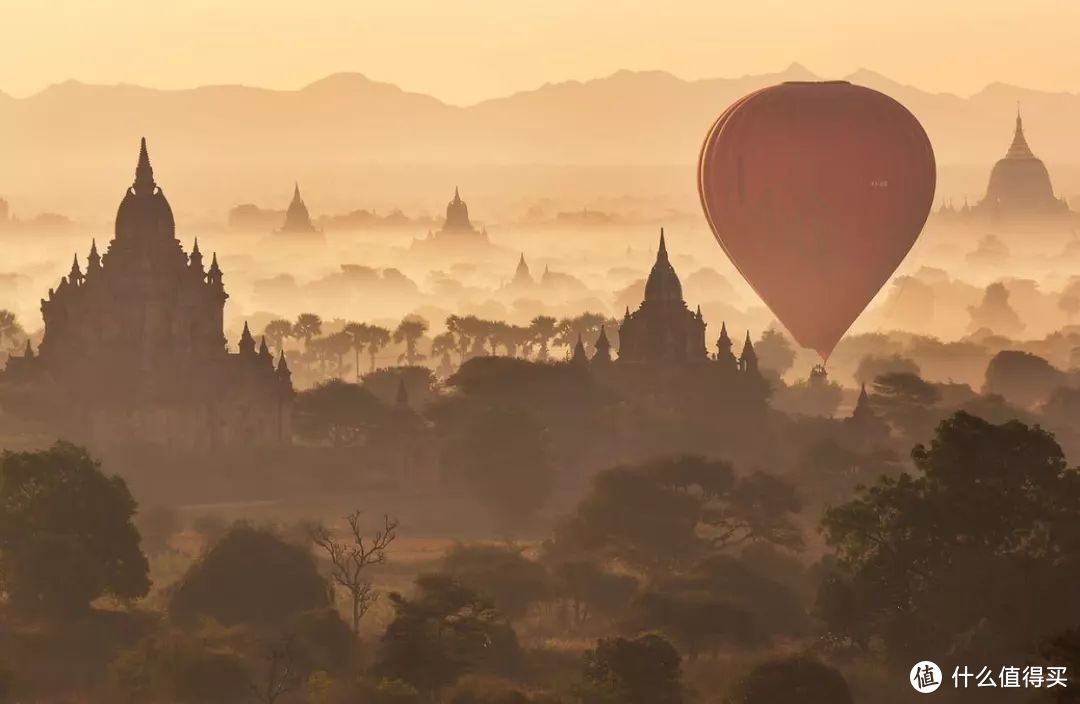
(603, 347)
(661, 253)
(93, 260)
(1019, 148)
(144, 173)
(748, 359)
(75, 276)
(579, 357)
(247, 342)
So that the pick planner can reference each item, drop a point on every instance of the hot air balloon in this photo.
(816, 191)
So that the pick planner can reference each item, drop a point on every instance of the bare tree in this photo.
(283, 673)
(349, 560)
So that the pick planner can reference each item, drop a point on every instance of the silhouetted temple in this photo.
(1020, 184)
(297, 218)
(663, 328)
(457, 227)
(665, 331)
(522, 281)
(134, 347)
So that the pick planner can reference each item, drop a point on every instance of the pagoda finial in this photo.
(1019, 148)
(76, 272)
(93, 260)
(457, 196)
(661, 253)
(144, 173)
(28, 352)
(264, 351)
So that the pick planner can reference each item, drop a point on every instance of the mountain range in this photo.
(224, 143)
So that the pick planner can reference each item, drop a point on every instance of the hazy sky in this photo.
(466, 50)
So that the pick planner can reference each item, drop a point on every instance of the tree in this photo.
(170, 665)
(10, 329)
(409, 331)
(307, 326)
(501, 455)
(510, 579)
(906, 401)
(277, 331)
(873, 366)
(338, 413)
(250, 576)
(646, 670)
(358, 336)
(442, 345)
(542, 330)
(350, 562)
(794, 679)
(66, 532)
(420, 384)
(376, 339)
(775, 352)
(283, 671)
(945, 559)
(462, 328)
(683, 507)
(589, 590)
(443, 631)
(339, 344)
(587, 326)
(1022, 377)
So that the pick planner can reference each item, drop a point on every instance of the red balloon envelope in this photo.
(817, 191)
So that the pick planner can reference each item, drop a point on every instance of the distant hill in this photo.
(347, 135)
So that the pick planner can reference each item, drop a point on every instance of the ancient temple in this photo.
(297, 218)
(134, 347)
(522, 281)
(457, 228)
(663, 328)
(1020, 184)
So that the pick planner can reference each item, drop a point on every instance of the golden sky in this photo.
(462, 51)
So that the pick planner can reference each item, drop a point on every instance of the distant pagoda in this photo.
(297, 218)
(457, 228)
(1019, 184)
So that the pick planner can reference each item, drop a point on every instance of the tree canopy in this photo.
(66, 532)
(949, 558)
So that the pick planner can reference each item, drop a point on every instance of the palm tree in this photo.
(409, 331)
(441, 346)
(377, 338)
(9, 327)
(542, 329)
(307, 326)
(358, 336)
(462, 329)
(319, 348)
(586, 325)
(276, 331)
(338, 344)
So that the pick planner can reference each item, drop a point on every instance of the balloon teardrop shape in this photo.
(816, 191)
